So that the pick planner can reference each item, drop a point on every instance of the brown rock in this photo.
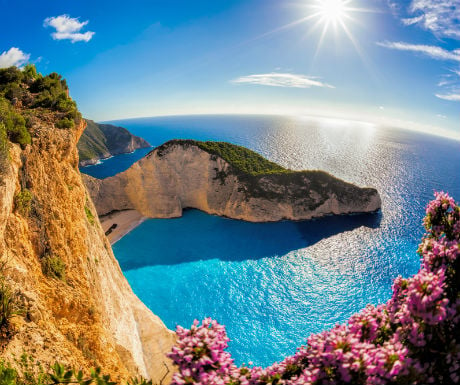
(91, 317)
(180, 174)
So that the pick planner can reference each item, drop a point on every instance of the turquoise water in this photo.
(274, 284)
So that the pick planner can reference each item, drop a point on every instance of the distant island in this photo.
(101, 141)
(227, 180)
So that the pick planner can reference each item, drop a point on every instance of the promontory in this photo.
(101, 141)
(227, 180)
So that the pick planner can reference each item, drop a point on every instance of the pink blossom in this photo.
(412, 339)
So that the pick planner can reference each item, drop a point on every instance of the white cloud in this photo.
(430, 50)
(282, 80)
(412, 20)
(13, 57)
(454, 97)
(441, 17)
(68, 28)
(381, 108)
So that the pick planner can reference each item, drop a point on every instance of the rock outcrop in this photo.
(188, 174)
(101, 141)
(87, 315)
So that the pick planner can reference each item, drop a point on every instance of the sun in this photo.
(335, 14)
(332, 11)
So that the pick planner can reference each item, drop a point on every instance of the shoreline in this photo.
(125, 221)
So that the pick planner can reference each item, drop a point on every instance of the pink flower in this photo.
(413, 338)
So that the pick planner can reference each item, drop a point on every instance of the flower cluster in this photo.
(412, 339)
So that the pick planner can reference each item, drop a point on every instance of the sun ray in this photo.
(323, 33)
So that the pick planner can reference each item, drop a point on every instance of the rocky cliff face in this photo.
(90, 316)
(181, 174)
(100, 141)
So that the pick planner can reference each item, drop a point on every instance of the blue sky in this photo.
(394, 63)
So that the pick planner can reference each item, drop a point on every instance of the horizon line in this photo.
(445, 133)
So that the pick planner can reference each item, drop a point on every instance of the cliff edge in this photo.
(227, 180)
(76, 306)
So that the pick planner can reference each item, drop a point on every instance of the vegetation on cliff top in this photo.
(25, 94)
(241, 158)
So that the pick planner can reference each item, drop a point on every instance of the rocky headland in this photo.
(101, 141)
(227, 180)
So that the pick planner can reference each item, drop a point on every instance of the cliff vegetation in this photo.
(26, 95)
(241, 158)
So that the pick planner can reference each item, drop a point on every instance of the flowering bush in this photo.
(412, 339)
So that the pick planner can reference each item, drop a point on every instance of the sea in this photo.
(273, 284)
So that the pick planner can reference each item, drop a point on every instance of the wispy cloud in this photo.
(441, 17)
(450, 86)
(13, 57)
(282, 80)
(434, 52)
(454, 97)
(68, 28)
(412, 20)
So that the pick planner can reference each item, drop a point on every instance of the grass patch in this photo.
(23, 202)
(65, 123)
(4, 156)
(53, 266)
(10, 305)
(89, 215)
(28, 371)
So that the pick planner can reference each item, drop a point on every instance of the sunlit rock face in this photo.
(180, 174)
(90, 317)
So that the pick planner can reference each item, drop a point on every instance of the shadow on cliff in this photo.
(198, 236)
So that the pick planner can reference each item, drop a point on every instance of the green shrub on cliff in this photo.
(14, 123)
(23, 202)
(3, 148)
(9, 303)
(65, 123)
(53, 266)
(89, 215)
(27, 88)
(31, 372)
(10, 75)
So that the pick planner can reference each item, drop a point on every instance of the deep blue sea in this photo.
(274, 284)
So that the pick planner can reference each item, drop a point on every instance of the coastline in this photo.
(125, 221)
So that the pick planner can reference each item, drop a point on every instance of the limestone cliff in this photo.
(100, 141)
(85, 314)
(221, 179)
